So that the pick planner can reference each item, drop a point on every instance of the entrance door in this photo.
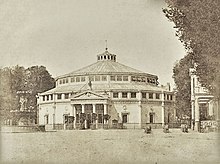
(151, 117)
(124, 118)
(88, 120)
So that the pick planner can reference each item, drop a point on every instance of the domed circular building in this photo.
(106, 94)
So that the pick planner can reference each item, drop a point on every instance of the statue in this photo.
(23, 102)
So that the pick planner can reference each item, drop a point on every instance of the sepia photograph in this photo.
(109, 81)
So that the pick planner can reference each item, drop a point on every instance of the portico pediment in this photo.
(89, 95)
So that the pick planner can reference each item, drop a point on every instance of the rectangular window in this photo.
(77, 79)
(59, 96)
(67, 80)
(125, 78)
(168, 97)
(119, 78)
(64, 81)
(47, 97)
(143, 79)
(144, 95)
(97, 78)
(66, 95)
(124, 94)
(72, 79)
(157, 96)
(150, 95)
(133, 94)
(61, 81)
(104, 78)
(43, 98)
(153, 81)
(115, 94)
(124, 118)
(83, 78)
(91, 78)
(51, 96)
(100, 118)
(139, 79)
(171, 97)
(133, 78)
(112, 78)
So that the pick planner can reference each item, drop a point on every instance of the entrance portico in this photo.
(200, 106)
(89, 109)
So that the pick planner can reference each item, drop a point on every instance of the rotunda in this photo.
(106, 94)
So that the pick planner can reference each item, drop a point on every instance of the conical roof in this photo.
(105, 65)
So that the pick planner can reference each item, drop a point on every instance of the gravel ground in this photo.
(110, 146)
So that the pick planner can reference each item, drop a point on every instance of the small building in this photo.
(105, 92)
(204, 107)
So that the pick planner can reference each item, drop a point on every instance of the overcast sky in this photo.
(65, 35)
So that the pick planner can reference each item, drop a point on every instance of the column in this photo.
(139, 96)
(83, 108)
(210, 108)
(162, 109)
(218, 112)
(54, 114)
(94, 111)
(74, 115)
(105, 111)
(197, 115)
(193, 114)
(93, 108)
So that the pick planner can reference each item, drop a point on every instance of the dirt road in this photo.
(110, 146)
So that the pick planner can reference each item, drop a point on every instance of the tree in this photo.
(182, 80)
(34, 79)
(11, 80)
(197, 25)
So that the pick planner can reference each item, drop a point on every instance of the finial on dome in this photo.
(106, 45)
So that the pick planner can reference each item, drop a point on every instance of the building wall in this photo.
(169, 110)
(59, 111)
(151, 107)
(138, 114)
(46, 109)
(132, 109)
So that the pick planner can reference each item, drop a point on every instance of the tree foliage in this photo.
(35, 79)
(197, 25)
(182, 80)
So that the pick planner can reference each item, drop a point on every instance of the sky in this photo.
(65, 35)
